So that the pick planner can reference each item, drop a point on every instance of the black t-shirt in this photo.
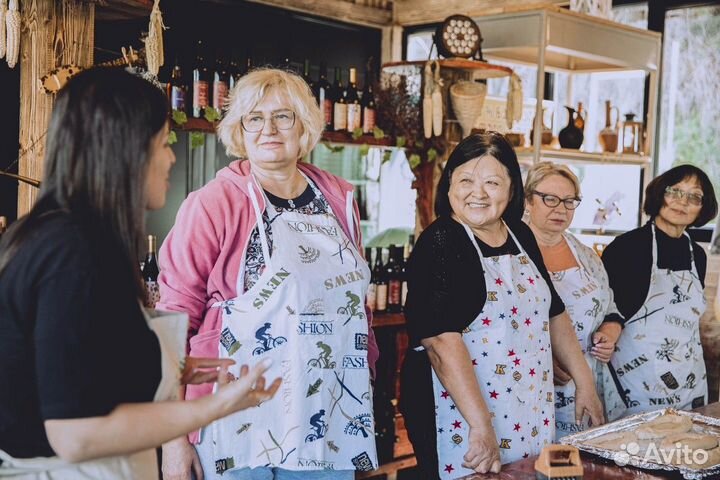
(74, 342)
(628, 261)
(446, 292)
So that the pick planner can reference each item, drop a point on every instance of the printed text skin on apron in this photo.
(586, 300)
(306, 313)
(658, 362)
(509, 343)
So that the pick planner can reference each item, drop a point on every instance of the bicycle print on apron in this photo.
(306, 313)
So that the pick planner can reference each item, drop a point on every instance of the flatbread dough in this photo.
(664, 426)
(691, 440)
(614, 440)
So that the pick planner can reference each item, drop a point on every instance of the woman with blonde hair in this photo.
(552, 193)
(264, 259)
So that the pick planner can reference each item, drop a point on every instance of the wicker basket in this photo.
(467, 100)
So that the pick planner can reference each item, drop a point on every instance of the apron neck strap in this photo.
(349, 211)
(471, 235)
(655, 254)
(264, 243)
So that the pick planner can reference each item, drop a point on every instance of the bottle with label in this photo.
(368, 104)
(176, 88)
(354, 109)
(393, 274)
(372, 287)
(339, 103)
(220, 85)
(201, 83)
(150, 272)
(323, 95)
(380, 280)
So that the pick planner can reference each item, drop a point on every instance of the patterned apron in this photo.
(658, 362)
(509, 343)
(586, 301)
(305, 312)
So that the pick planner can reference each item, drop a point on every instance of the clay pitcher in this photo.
(608, 136)
(546, 135)
(571, 136)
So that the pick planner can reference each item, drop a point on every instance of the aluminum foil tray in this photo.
(701, 424)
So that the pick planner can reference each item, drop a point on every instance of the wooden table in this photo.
(595, 468)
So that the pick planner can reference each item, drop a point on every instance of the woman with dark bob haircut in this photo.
(484, 322)
(79, 363)
(657, 274)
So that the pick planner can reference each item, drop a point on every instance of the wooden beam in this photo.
(55, 32)
(124, 9)
(339, 10)
(419, 12)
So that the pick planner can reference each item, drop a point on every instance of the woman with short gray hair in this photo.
(552, 193)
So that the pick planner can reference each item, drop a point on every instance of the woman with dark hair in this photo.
(79, 363)
(657, 275)
(484, 323)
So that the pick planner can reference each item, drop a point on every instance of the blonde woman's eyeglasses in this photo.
(255, 122)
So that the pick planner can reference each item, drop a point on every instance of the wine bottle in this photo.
(392, 272)
(233, 72)
(220, 85)
(150, 272)
(176, 88)
(339, 103)
(368, 104)
(361, 202)
(306, 75)
(323, 95)
(201, 83)
(381, 292)
(370, 298)
(403, 274)
(354, 109)
(248, 63)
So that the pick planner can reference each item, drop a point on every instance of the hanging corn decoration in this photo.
(437, 103)
(154, 48)
(3, 34)
(12, 20)
(427, 110)
(514, 106)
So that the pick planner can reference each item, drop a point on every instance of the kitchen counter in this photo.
(595, 468)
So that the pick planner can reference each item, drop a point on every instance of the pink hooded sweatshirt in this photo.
(201, 257)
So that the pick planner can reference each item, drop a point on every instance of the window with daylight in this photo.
(690, 97)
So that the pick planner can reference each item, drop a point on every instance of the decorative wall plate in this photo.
(458, 36)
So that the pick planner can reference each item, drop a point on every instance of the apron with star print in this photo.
(509, 343)
(586, 300)
(306, 313)
(658, 362)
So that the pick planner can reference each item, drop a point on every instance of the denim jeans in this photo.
(264, 473)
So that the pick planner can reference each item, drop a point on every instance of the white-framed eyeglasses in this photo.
(676, 194)
(255, 122)
(553, 201)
